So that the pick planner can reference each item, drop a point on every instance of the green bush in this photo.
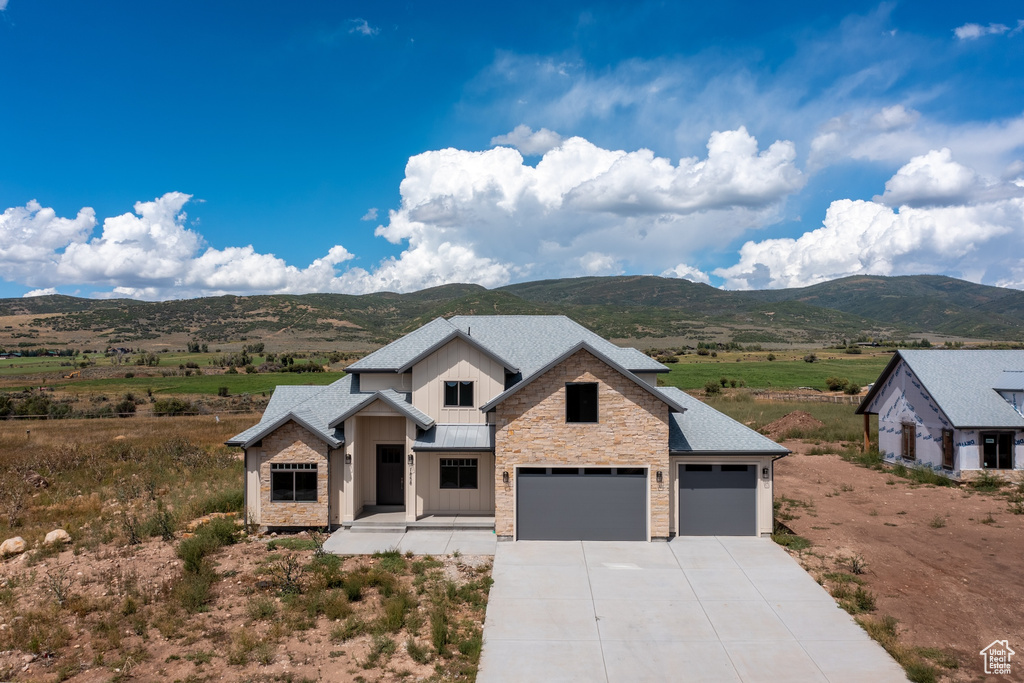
(232, 500)
(173, 406)
(836, 383)
(192, 590)
(390, 560)
(711, 388)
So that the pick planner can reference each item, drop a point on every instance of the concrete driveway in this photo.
(695, 609)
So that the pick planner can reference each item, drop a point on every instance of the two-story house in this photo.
(959, 412)
(535, 421)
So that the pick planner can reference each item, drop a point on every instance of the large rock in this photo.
(57, 536)
(35, 479)
(12, 546)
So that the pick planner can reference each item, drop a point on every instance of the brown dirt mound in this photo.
(797, 419)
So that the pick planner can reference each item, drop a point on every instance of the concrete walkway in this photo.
(695, 609)
(419, 541)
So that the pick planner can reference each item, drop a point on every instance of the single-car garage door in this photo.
(717, 500)
(581, 504)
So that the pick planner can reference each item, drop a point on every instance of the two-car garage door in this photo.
(581, 503)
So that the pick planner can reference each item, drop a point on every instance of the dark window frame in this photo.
(908, 441)
(281, 473)
(1000, 457)
(948, 449)
(580, 406)
(458, 393)
(462, 474)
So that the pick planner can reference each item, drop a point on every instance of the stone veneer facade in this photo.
(293, 443)
(632, 431)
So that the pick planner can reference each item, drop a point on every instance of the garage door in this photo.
(588, 504)
(717, 500)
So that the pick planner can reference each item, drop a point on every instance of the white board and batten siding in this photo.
(379, 423)
(432, 499)
(378, 381)
(462, 362)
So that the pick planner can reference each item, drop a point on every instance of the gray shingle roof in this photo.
(318, 409)
(456, 437)
(522, 343)
(702, 429)
(962, 383)
(531, 341)
(598, 353)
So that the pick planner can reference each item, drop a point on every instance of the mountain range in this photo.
(641, 309)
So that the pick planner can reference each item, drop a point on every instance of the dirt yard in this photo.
(947, 563)
(273, 613)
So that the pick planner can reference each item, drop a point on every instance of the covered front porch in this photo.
(390, 519)
(400, 471)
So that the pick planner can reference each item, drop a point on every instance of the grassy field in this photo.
(788, 371)
(206, 384)
(841, 423)
(179, 461)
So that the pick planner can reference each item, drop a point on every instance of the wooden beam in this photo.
(867, 432)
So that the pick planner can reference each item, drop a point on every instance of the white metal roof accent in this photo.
(456, 437)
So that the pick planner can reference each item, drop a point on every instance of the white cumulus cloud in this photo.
(485, 217)
(975, 31)
(362, 27)
(931, 179)
(370, 215)
(977, 242)
(582, 202)
(687, 272)
(39, 292)
(529, 142)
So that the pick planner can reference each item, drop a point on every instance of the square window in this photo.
(293, 482)
(581, 402)
(458, 473)
(458, 394)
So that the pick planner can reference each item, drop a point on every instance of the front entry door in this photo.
(389, 475)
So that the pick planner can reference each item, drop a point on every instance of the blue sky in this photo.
(163, 150)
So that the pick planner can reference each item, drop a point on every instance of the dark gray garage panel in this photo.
(717, 500)
(581, 507)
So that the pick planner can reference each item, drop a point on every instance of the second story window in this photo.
(458, 394)
(581, 402)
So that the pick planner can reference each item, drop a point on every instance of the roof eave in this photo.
(717, 453)
(280, 422)
(600, 356)
(457, 333)
(370, 398)
(879, 383)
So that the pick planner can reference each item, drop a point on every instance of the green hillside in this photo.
(631, 307)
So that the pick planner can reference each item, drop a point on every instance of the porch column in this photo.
(348, 490)
(410, 470)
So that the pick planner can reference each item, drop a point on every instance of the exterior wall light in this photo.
(348, 458)
(504, 477)
(658, 476)
(764, 473)
(411, 461)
